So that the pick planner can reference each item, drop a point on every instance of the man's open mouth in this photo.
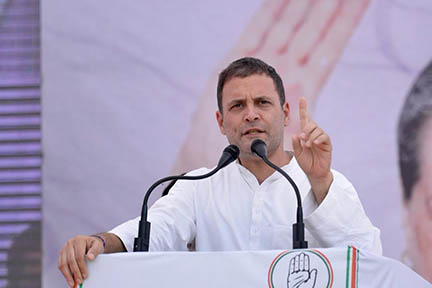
(253, 131)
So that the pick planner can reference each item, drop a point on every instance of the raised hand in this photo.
(299, 274)
(313, 151)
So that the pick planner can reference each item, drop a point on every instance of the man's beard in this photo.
(272, 142)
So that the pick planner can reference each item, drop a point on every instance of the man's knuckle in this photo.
(77, 238)
(65, 271)
(80, 257)
(71, 261)
(74, 269)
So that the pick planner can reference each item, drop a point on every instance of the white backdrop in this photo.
(122, 81)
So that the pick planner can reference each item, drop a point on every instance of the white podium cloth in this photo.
(334, 267)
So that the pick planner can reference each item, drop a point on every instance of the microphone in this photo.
(141, 243)
(259, 147)
(229, 154)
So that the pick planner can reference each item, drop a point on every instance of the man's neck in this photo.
(260, 169)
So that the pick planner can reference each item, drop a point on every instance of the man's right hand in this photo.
(71, 260)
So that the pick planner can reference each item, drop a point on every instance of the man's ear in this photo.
(286, 111)
(410, 239)
(219, 118)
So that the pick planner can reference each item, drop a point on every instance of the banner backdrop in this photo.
(129, 96)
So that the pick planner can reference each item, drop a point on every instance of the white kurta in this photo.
(232, 211)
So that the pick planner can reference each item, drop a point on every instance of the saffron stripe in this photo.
(354, 268)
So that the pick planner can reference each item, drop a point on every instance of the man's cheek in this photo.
(233, 132)
(429, 207)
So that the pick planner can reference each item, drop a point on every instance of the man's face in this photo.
(419, 210)
(251, 109)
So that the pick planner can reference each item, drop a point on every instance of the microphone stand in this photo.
(260, 148)
(141, 243)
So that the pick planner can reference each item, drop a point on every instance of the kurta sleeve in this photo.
(340, 219)
(172, 218)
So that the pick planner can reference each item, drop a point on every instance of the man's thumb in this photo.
(94, 250)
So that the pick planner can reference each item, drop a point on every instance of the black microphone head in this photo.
(233, 150)
(259, 147)
(229, 154)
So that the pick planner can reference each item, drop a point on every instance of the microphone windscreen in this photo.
(233, 150)
(259, 147)
(229, 155)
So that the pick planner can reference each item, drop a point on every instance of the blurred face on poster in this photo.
(415, 159)
(419, 209)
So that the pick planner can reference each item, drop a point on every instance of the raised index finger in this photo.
(304, 117)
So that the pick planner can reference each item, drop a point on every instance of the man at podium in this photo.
(247, 205)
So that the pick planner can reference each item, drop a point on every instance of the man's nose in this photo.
(251, 114)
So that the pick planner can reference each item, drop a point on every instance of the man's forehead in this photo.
(253, 85)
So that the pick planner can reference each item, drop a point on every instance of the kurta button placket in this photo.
(256, 223)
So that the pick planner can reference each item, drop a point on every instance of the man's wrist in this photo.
(101, 238)
(320, 186)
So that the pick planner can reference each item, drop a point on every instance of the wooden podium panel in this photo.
(334, 267)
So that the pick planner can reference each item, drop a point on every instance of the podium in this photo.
(333, 267)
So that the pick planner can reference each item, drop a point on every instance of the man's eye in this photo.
(236, 106)
(264, 102)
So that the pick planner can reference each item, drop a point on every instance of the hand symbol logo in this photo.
(299, 274)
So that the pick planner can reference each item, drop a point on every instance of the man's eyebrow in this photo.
(263, 97)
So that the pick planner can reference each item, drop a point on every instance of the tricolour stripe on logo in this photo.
(352, 267)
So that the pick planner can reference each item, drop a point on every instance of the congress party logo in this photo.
(300, 269)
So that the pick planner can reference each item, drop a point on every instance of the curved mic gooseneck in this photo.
(260, 148)
(141, 243)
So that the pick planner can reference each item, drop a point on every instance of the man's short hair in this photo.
(245, 67)
(416, 111)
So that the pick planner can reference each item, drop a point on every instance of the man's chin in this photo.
(247, 142)
(261, 137)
